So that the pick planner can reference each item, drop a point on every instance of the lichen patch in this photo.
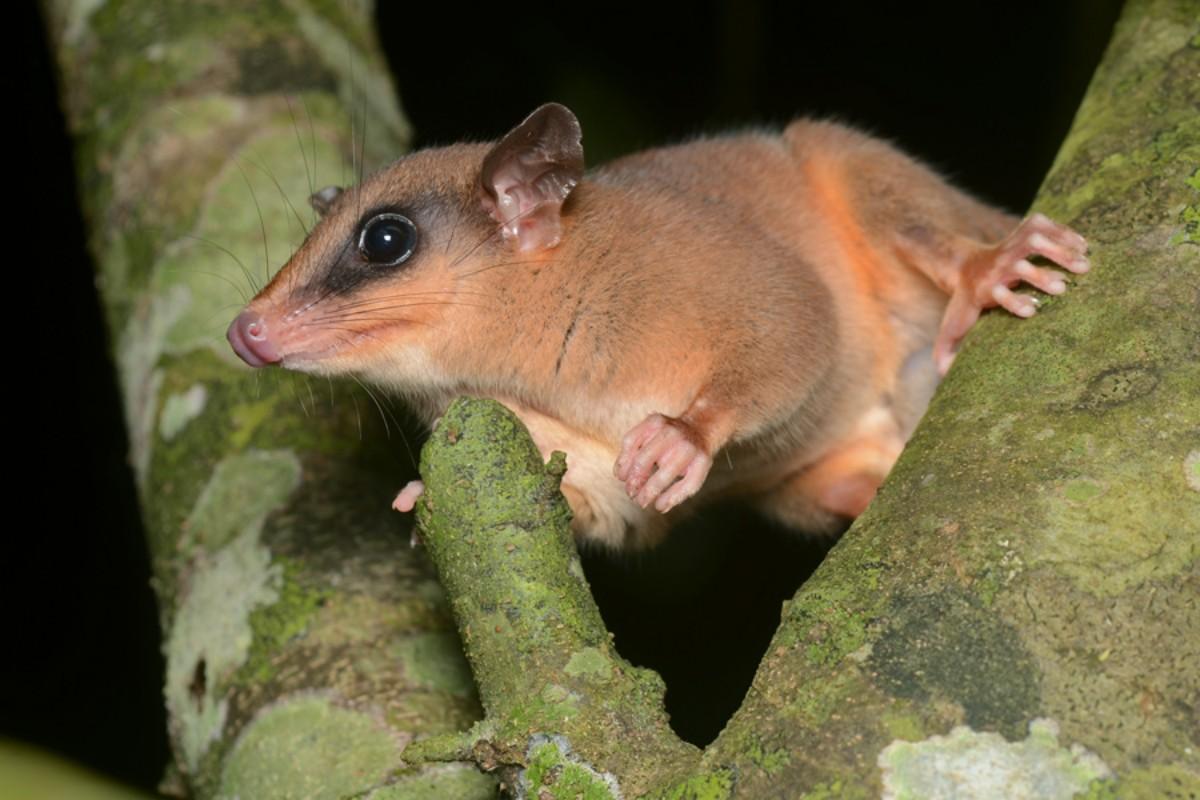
(211, 637)
(966, 765)
(307, 746)
(180, 409)
(138, 352)
(230, 577)
(243, 489)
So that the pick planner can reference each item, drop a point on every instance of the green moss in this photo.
(812, 704)
(276, 624)
(770, 761)
(440, 782)
(903, 725)
(1095, 531)
(553, 774)
(307, 747)
(1099, 790)
(716, 785)
(497, 528)
(846, 633)
(590, 662)
(1189, 217)
(490, 488)
(1161, 782)
(830, 615)
(554, 708)
(245, 419)
(836, 790)
(1081, 491)
(434, 660)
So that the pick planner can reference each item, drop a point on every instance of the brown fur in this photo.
(773, 294)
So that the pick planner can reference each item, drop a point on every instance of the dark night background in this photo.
(985, 94)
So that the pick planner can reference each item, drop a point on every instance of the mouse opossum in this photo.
(757, 314)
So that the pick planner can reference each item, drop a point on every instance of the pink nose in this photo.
(248, 336)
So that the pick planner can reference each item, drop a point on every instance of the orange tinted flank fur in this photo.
(762, 315)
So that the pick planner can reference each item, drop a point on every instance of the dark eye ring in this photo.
(387, 239)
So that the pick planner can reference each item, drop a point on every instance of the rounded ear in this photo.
(324, 199)
(527, 176)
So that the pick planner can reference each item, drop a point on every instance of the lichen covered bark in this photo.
(565, 713)
(306, 642)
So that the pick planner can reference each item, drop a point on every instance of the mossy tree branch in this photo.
(551, 682)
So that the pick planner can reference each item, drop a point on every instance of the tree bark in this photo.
(306, 642)
(1014, 616)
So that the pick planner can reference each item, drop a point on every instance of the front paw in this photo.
(663, 461)
(406, 500)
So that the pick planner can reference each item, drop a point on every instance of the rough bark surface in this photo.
(306, 642)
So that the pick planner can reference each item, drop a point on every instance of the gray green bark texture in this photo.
(306, 642)
(1015, 616)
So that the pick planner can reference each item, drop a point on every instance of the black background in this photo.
(985, 93)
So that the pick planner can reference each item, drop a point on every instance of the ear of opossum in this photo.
(323, 200)
(526, 177)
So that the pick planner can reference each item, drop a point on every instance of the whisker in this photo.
(362, 148)
(223, 312)
(400, 429)
(357, 416)
(296, 394)
(385, 304)
(473, 273)
(282, 194)
(453, 232)
(496, 229)
(312, 137)
(386, 430)
(262, 225)
(300, 142)
(370, 315)
(241, 264)
(181, 271)
(405, 295)
(475, 247)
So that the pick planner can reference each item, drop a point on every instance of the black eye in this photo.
(387, 239)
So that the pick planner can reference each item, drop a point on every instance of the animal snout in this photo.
(250, 340)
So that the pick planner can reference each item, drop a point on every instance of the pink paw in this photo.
(406, 500)
(988, 277)
(663, 462)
